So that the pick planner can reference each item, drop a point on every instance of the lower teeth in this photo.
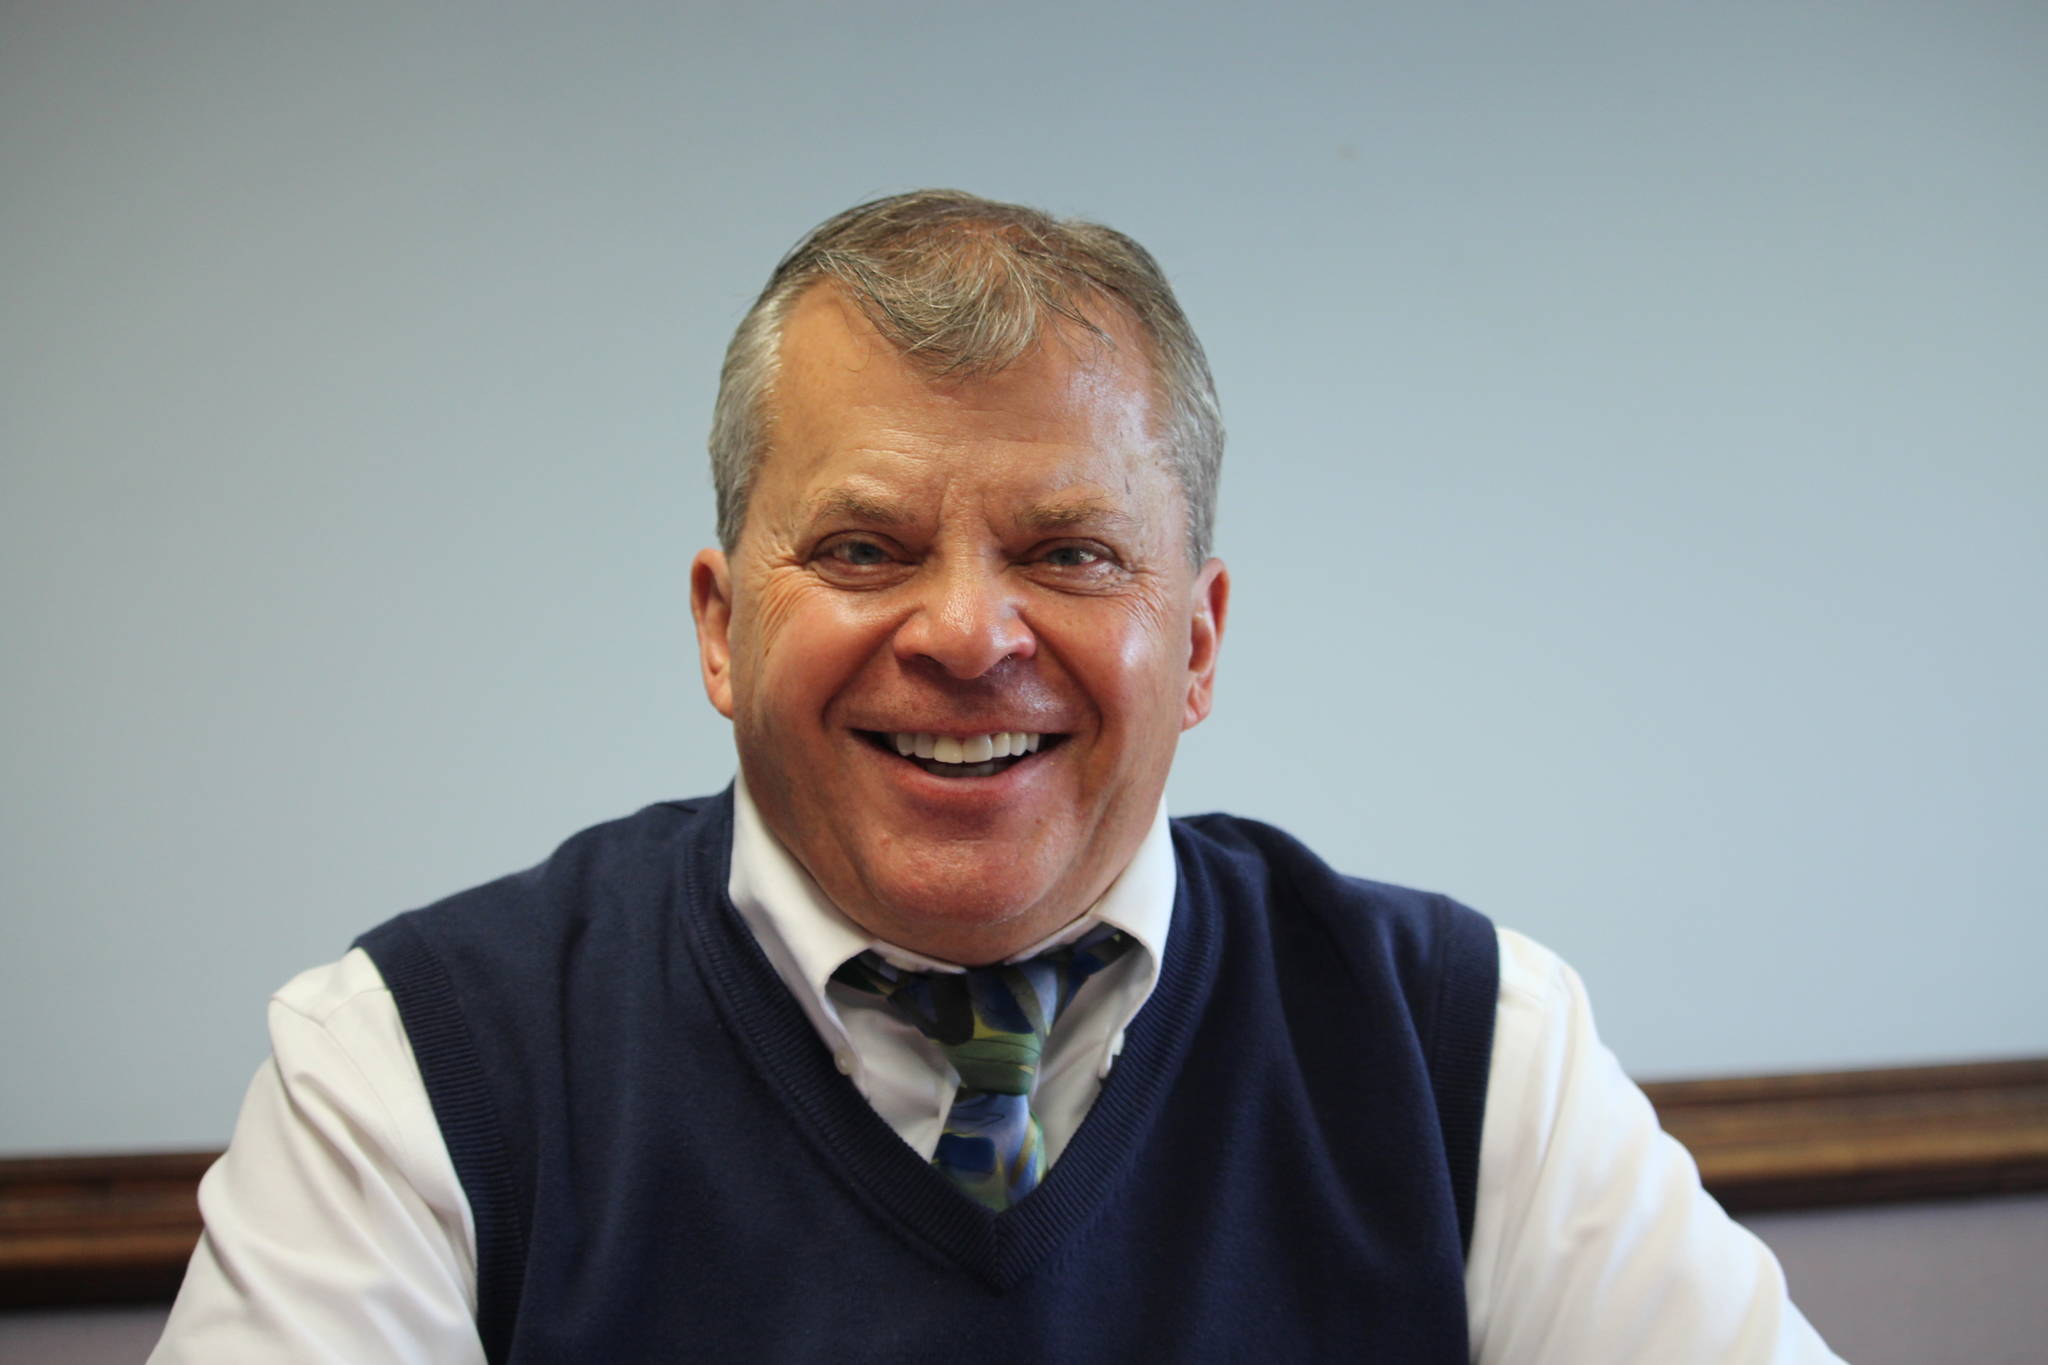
(938, 769)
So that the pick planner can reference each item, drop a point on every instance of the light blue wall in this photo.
(1637, 489)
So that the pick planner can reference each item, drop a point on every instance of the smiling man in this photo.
(933, 1036)
(960, 629)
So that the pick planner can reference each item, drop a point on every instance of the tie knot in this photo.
(991, 1022)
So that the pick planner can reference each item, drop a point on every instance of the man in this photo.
(933, 1037)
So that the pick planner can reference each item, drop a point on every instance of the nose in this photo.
(968, 620)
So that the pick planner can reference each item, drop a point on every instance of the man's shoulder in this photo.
(1271, 884)
(1241, 850)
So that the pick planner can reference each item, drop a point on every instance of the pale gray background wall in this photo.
(1636, 491)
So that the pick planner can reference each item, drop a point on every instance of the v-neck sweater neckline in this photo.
(906, 1192)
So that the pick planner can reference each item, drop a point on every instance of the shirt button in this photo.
(845, 1063)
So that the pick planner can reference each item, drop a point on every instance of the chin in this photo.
(959, 905)
(940, 912)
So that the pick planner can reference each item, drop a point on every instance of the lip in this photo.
(961, 797)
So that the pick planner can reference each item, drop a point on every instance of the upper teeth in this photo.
(972, 749)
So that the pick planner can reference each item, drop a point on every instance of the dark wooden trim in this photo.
(1862, 1137)
(119, 1229)
(97, 1229)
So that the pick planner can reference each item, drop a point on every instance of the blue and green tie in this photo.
(992, 1023)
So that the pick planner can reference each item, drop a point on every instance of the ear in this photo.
(1205, 639)
(711, 606)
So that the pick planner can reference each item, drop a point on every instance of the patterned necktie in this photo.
(992, 1023)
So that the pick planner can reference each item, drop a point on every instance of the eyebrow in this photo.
(1045, 518)
(1066, 516)
(846, 504)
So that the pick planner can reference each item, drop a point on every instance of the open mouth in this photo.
(962, 755)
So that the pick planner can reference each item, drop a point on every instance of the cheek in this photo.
(1132, 663)
(778, 608)
(1150, 650)
(801, 640)
(1139, 653)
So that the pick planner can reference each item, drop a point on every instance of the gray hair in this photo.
(964, 286)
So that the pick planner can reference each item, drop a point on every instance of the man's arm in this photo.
(1593, 1241)
(336, 1229)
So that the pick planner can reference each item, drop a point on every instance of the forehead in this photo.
(1076, 418)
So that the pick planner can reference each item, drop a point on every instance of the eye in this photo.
(857, 560)
(856, 554)
(1086, 560)
(1072, 557)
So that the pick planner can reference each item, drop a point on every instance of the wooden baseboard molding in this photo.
(1863, 1137)
(119, 1229)
(97, 1229)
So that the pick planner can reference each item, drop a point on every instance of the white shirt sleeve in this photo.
(336, 1229)
(1592, 1240)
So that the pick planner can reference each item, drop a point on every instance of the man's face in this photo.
(957, 560)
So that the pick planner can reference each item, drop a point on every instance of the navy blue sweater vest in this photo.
(664, 1163)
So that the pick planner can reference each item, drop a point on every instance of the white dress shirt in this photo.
(337, 1230)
